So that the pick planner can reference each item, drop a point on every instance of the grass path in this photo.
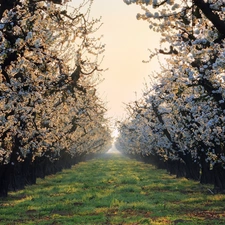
(113, 190)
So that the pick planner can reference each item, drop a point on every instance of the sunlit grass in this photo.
(113, 190)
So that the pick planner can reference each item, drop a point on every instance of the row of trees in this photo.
(50, 114)
(180, 123)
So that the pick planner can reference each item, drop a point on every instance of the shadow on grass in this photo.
(113, 189)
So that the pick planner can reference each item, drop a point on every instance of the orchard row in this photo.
(51, 116)
(179, 124)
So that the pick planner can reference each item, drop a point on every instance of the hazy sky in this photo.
(127, 42)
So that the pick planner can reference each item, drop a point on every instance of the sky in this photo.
(127, 42)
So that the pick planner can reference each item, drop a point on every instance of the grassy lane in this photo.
(113, 190)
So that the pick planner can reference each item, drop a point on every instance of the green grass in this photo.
(113, 190)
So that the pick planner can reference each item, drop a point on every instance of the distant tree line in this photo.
(50, 114)
(179, 123)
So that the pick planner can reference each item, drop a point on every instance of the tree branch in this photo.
(214, 18)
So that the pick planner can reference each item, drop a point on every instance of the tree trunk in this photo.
(219, 178)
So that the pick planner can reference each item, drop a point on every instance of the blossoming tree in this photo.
(49, 61)
(187, 104)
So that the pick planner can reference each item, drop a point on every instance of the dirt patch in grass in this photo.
(78, 203)
(31, 211)
(61, 212)
(133, 212)
(210, 215)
